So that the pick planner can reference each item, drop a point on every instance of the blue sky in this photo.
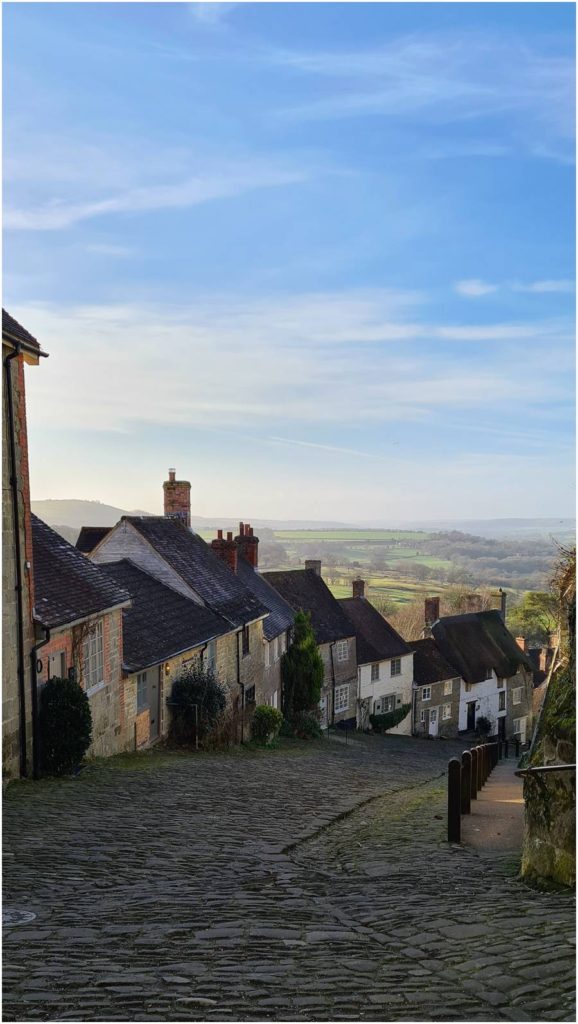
(319, 257)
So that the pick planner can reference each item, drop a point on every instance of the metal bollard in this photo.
(474, 777)
(466, 782)
(454, 798)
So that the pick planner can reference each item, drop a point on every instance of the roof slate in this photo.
(429, 664)
(90, 536)
(376, 639)
(67, 586)
(160, 622)
(200, 568)
(305, 591)
(281, 614)
(477, 642)
(14, 330)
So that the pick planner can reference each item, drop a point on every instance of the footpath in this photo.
(496, 822)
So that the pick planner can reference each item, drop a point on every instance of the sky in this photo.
(318, 257)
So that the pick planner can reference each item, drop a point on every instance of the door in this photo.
(155, 704)
(471, 724)
(433, 722)
(502, 728)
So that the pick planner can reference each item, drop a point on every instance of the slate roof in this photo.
(305, 591)
(90, 536)
(200, 568)
(479, 641)
(429, 664)
(281, 614)
(67, 586)
(160, 622)
(376, 639)
(16, 332)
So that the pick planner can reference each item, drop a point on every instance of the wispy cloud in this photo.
(543, 287)
(109, 249)
(55, 215)
(211, 12)
(474, 288)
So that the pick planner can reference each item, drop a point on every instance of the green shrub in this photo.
(301, 670)
(306, 726)
(266, 723)
(64, 726)
(197, 702)
(381, 723)
(483, 726)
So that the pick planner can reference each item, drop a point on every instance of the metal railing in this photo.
(546, 768)
(466, 776)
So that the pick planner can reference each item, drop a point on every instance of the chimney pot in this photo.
(314, 564)
(229, 536)
(241, 529)
(432, 610)
(219, 534)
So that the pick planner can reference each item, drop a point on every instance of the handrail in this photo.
(547, 768)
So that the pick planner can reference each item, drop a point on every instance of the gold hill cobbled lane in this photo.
(215, 887)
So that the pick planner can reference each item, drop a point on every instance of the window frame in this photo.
(375, 672)
(423, 693)
(93, 658)
(338, 707)
(448, 687)
(446, 712)
(140, 705)
(517, 690)
(342, 650)
(502, 700)
(395, 669)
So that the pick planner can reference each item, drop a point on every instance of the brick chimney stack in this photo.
(314, 564)
(521, 642)
(177, 499)
(358, 588)
(431, 611)
(248, 544)
(226, 549)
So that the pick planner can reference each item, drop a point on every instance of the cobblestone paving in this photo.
(207, 888)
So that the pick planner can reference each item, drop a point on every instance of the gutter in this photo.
(18, 556)
(34, 684)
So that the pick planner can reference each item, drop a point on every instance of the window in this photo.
(210, 656)
(250, 695)
(520, 727)
(142, 700)
(517, 695)
(468, 687)
(267, 655)
(448, 687)
(384, 705)
(245, 641)
(426, 693)
(446, 712)
(422, 716)
(276, 649)
(93, 658)
(502, 701)
(433, 716)
(374, 672)
(57, 665)
(343, 651)
(488, 674)
(396, 666)
(341, 699)
(500, 683)
(282, 643)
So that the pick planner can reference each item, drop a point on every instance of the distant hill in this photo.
(514, 529)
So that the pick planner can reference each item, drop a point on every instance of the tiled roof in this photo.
(376, 639)
(160, 622)
(429, 664)
(90, 536)
(15, 331)
(67, 586)
(305, 591)
(200, 568)
(477, 642)
(281, 615)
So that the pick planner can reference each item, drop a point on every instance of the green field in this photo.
(350, 535)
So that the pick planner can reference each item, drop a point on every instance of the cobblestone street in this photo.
(215, 887)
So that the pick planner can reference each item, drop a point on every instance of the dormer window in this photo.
(488, 674)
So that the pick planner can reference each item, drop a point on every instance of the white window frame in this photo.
(276, 648)
(422, 715)
(446, 712)
(517, 695)
(282, 644)
(62, 673)
(516, 725)
(375, 672)
(395, 666)
(341, 700)
(448, 687)
(433, 716)
(384, 705)
(342, 651)
(267, 655)
(93, 658)
(426, 693)
(210, 656)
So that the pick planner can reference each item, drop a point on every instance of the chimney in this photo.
(473, 603)
(432, 610)
(314, 564)
(503, 602)
(359, 588)
(177, 499)
(521, 642)
(247, 544)
(226, 549)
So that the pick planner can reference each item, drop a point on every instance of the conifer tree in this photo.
(301, 670)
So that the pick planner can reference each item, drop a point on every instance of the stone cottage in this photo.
(384, 663)
(18, 631)
(437, 691)
(305, 590)
(80, 610)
